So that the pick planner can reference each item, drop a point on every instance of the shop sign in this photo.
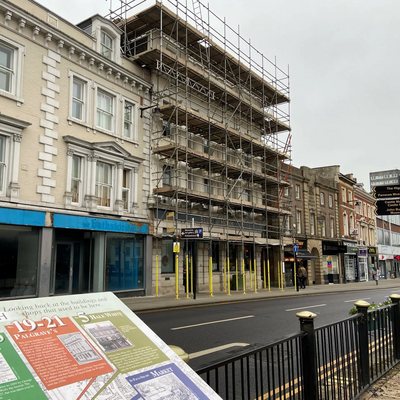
(371, 250)
(87, 346)
(362, 252)
(385, 257)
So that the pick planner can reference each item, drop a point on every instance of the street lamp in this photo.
(157, 111)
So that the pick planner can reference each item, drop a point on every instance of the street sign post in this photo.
(192, 233)
(386, 192)
(387, 207)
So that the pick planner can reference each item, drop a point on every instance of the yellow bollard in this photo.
(176, 277)
(191, 275)
(255, 276)
(187, 276)
(244, 279)
(157, 275)
(269, 278)
(237, 276)
(282, 276)
(295, 281)
(265, 277)
(229, 280)
(224, 275)
(210, 276)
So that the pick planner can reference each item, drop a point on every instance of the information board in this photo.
(387, 207)
(85, 347)
(192, 233)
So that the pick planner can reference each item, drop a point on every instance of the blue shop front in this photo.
(47, 254)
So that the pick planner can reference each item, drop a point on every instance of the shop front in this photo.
(372, 260)
(330, 261)
(363, 264)
(47, 254)
(350, 264)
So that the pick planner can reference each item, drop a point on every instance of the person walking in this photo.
(376, 274)
(302, 274)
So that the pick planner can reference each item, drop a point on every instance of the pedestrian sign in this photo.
(295, 248)
(176, 247)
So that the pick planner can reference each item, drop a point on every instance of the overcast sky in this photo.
(344, 66)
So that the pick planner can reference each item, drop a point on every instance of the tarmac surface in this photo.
(386, 388)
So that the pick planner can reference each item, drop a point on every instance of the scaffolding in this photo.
(221, 153)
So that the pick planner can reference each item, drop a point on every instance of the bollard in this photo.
(363, 360)
(309, 355)
(396, 324)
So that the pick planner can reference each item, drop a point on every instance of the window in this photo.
(247, 195)
(322, 199)
(322, 224)
(286, 191)
(129, 121)
(11, 68)
(78, 99)
(76, 179)
(207, 188)
(166, 128)
(105, 110)
(297, 191)
(345, 225)
(350, 196)
(114, 183)
(166, 177)
(332, 227)
(351, 222)
(2, 161)
(312, 224)
(6, 68)
(125, 189)
(330, 199)
(344, 195)
(103, 184)
(106, 45)
(298, 221)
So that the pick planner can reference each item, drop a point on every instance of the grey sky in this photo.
(344, 68)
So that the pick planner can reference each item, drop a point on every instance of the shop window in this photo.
(19, 249)
(125, 262)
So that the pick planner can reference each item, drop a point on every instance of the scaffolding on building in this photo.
(219, 160)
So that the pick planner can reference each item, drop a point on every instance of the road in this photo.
(214, 332)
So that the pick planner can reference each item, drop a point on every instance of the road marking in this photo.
(352, 301)
(212, 322)
(215, 349)
(306, 307)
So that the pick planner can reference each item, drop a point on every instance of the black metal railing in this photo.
(335, 361)
(268, 372)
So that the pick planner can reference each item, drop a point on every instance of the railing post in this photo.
(396, 324)
(363, 360)
(309, 356)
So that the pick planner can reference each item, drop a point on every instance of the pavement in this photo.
(386, 388)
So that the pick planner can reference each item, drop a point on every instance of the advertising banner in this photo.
(88, 346)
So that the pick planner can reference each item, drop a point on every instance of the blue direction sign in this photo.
(295, 248)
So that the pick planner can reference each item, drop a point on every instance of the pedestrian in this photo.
(302, 274)
(375, 274)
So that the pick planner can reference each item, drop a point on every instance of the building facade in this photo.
(75, 157)
(220, 136)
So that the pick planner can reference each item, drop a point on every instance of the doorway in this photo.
(63, 276)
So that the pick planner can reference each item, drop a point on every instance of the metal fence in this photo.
(335, 361)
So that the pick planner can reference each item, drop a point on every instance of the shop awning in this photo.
(301, 254)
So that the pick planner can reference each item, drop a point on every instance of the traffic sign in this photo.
(387, 207)
(192, 233)
(177, 247)
(295, 248)
(386, 192)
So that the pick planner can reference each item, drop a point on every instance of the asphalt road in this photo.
(214, 332)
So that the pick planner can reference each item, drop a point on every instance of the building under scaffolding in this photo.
(220, 129)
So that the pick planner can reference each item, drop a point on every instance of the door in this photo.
(63, 268)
